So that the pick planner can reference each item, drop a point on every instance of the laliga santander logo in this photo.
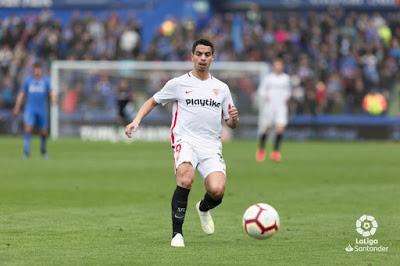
(366, 225)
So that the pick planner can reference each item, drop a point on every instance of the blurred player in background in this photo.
(124, 98)
(273, 95)
(199, 102)
(36, 88)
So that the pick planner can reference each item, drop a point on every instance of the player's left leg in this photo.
(43, 125)
(280, 125)
(43, 143)
(276, 154)
(215, 188)
(265, 120)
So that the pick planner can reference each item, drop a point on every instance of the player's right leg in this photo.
(260, 153)
(184, 180)
(184, 162)
(264, 125)
(29, 121)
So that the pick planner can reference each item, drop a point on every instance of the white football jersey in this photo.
(274, 89)
(198, 109)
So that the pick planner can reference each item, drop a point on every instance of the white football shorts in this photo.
(204, 160)
(271, 116)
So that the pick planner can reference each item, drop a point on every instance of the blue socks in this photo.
(27, 144)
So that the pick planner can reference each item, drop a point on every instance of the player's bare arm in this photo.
(143, 111)
(18, 103)
(233, 120)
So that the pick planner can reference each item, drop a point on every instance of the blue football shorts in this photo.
(35, 118)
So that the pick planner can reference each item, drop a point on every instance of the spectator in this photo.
(124, 101)
(349, 52)
(7, 96)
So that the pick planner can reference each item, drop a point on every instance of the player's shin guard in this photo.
(43, 140)
(179, 205)
(27, 144)
(209, 203)
(278, 140)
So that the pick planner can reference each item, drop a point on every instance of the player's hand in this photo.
(16, 112)
(132, 127)
(233, 113)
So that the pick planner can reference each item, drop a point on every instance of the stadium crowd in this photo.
(335, 57)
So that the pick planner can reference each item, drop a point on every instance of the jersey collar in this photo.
(193, 76)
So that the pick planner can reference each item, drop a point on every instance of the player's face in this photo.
(37, 72)
(278, 67)
(202, 57)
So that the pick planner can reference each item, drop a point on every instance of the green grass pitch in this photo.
(99, 203)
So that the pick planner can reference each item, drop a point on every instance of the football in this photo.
(261, 221)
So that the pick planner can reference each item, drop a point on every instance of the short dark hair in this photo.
(37, 65)
(204, 42)
(278, 59)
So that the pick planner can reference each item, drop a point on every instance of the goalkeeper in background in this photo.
(37, 90)
(273, 95)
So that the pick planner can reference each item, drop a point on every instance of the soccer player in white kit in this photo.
(273, 95)
(200, 104)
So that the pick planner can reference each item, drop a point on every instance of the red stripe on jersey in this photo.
(174, 124)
